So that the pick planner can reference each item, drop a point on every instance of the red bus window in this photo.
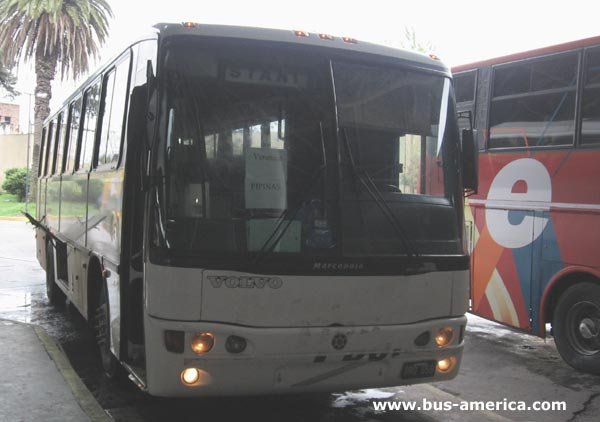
(590, 104)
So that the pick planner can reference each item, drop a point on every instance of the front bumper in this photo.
(297, 360)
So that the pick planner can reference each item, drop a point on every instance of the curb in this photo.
(12, 218)
(82, 395)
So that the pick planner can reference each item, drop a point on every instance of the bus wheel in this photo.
(102, 331)
(576, 326)
(56, 297)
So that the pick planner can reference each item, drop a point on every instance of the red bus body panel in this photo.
(536, 216)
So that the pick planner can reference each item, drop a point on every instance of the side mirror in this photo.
(470, 162)
(148, 120)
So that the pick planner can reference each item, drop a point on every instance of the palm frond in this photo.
(71, 30)
(7, 81)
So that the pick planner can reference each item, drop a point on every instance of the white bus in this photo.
(253, 211)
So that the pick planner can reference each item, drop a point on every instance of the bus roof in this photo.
(164, 30)
(298, 38)
(571, 45)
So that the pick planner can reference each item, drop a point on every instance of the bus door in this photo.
(507, 241)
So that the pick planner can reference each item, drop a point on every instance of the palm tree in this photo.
(7, 80)
(54, 33)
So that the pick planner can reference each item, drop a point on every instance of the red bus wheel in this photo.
(576, 326)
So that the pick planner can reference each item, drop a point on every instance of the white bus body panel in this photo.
(300, 301)
(289, 325)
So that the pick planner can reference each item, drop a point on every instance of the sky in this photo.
(461, 31)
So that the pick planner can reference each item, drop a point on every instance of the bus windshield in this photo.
(397, 148)
(268, 152)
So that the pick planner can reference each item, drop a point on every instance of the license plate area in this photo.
(421, 369)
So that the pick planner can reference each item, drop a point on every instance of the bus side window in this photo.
(43, 147)
(60, 146)
(464, 86)
(533, 103)
(73, 134)
(590, 106)
(114, 102)
(465, 89)
(90, 118)
(51, 141)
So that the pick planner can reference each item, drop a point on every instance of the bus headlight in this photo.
(190, 376)
(195, 377)
(446, 365)
(203, 342)
(444, 336)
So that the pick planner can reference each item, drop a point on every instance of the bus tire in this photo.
(56, 296)
(110, 364)
(576, 326)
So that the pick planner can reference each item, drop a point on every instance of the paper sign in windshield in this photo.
(265, 181)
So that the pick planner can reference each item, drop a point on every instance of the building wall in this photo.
(9, 118)
(13, 153)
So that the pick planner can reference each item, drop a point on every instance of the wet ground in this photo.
(498, 364)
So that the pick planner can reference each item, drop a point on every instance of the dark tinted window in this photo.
(90, 117)
(550, 73)
(464, 86)
(590, 104)
(114, 97)
(50, 150)
(536, 120)
(43, 147)
(73, 136)
(511, 80)
(60, 148)
(534, 103)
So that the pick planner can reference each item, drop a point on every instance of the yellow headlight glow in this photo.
(190, 376)
(446, 365)
(203, 342)
(444, 336)
(195, 377)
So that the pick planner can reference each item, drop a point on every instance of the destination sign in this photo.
(265, 76)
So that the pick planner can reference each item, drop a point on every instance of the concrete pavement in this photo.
(37, 380)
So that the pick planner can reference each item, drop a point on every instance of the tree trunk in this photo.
(45, 70)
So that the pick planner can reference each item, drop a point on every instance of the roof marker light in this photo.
(349, 40)
(189, 24)
(326, 37)
(301, 33)
(434, 56)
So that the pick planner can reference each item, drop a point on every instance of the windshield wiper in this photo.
(290, 213)
(367, 181)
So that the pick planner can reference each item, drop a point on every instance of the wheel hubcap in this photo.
(583, 322)
(589, 328)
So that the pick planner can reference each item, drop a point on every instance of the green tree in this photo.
(55, 34)
(15, 182)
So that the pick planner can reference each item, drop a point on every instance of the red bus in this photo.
(535, 220)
